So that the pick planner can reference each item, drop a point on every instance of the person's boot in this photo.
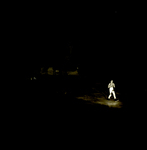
(116, 99)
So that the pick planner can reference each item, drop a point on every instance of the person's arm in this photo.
(109, 85)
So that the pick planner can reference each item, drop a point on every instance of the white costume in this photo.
(111, 86)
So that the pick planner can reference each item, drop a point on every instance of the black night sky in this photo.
(110, 40)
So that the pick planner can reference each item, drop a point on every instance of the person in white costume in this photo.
(111, 87)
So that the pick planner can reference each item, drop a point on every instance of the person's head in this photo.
(111, 81)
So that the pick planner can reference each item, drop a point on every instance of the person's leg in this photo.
(109, 96)
(114, 94)
(110, 90)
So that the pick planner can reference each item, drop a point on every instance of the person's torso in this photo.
(111, 85)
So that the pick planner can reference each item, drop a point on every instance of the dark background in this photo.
(108, 40)
(109, 43)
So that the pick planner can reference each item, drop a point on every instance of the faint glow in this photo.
(50, 71)
(42, 71)
(34, 78)
(72, 72)
(57, 70)
(102, 101)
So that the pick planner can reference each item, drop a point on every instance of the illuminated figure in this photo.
(111, 87)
